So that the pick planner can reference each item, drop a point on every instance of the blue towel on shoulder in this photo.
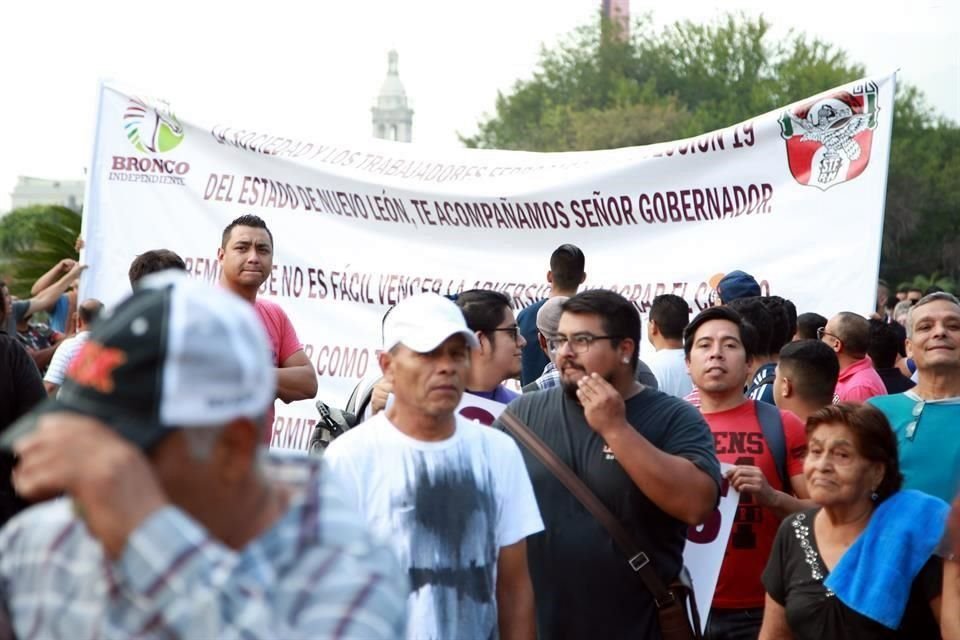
(875, 575)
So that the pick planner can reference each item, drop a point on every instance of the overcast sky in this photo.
(314, 68)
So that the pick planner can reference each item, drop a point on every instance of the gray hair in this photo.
(927, 299)
(902, 310)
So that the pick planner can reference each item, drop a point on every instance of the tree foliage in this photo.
(595, 91)
(33, 239)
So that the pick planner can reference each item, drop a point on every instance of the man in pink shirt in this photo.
(848, 334)
(246, 260)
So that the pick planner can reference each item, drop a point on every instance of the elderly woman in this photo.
(861, 565)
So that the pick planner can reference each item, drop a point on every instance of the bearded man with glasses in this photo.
(649, 457)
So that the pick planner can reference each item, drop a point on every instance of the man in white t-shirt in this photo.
(669, 314)
(452, 497)
(87, 312)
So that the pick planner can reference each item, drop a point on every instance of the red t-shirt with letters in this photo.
(738, 439)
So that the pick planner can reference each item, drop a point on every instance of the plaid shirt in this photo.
(550, 377)
(314, 574)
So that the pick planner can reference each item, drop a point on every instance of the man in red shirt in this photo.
(848, 334)
(719, 347)
(246, 260)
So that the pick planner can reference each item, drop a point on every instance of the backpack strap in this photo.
(768, 379)
(771, 424)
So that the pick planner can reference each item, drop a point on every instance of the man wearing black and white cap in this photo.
(170, 526)
(452, 496)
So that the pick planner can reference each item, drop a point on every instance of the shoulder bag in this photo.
(671, 600)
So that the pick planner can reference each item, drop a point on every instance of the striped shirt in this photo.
(63, 356)
(314, 574)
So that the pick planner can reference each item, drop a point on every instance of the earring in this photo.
(874, 496)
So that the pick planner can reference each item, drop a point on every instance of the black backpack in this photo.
(771, 424)
(334, 422)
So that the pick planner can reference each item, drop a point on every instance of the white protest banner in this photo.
(794, 197)
(707, 544)
(482, 410)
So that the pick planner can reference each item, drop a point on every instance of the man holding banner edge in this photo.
(719, 346)
(246, 259)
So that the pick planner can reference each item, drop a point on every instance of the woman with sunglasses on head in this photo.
(862, 564)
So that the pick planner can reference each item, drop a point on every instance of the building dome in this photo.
(392, 93)
(392, 116)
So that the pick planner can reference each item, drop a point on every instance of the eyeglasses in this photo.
(822, 331)
(513, 332)
(913, 424)
(579, 343)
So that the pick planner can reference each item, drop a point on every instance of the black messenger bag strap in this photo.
(638, 560)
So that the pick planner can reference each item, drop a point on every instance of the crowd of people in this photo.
(138, 501)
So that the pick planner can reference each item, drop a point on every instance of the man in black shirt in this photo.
(20, 389)
(885, 342)
(648, 456)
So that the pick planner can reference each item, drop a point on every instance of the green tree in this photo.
(590, 92)
(922, 226)
(596, 91)
(33, 239)
(924, 282)
(697, 77)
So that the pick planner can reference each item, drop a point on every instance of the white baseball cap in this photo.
(423, 321)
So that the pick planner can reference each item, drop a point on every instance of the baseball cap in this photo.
(737, 284)
(178, 353)
(423, 321)
(548, 316)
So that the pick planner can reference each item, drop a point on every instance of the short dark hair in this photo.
(807, 325)
(780, 333)
(753, 311)
(812, 368)
(917, 289)
(566, 264)
(483, 309)
(619, 317)
(671, 313)
(89, 310)
(853, 331)
(748, 334)
(153, 261)
(885, 344)
(791, 316)
(248, 220)
(873, 437)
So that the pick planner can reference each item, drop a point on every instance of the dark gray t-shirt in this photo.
(583, 585)
(20, 308)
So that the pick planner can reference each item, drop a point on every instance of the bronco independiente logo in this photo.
(152, 127)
